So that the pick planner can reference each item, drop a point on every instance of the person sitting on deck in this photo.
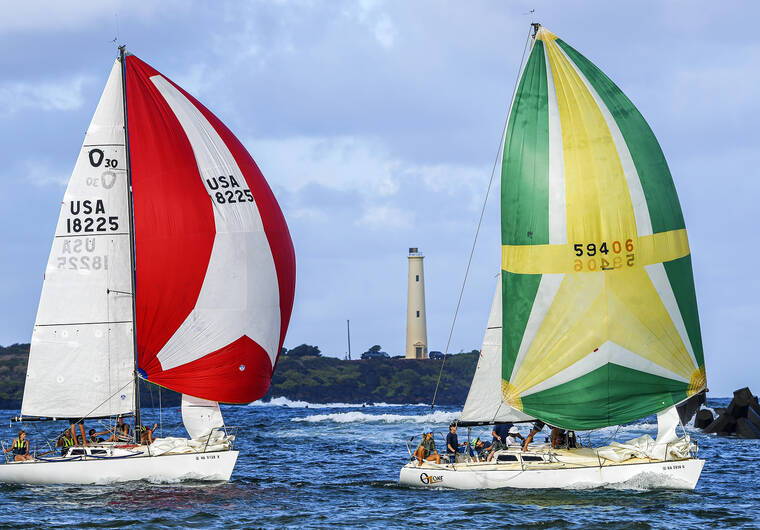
(481, 449)
(537, 427)
(20, 448)
(514, 435)
(426, 450)
(119, 433)
(94, 439)
(65, 441)
(146, 434)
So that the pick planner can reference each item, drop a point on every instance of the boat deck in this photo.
(536, 459)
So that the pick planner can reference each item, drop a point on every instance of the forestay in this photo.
(81, 361)
(600, 323)
(484, 401)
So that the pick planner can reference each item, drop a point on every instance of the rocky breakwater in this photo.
(740, 418)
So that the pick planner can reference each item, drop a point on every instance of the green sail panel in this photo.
(599, 316)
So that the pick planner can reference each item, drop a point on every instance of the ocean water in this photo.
(338, 464)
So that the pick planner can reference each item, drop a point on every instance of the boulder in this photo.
(736, 410)
(746, 429)
(703, 419)
(725, 424)
(742, 417)
(753, 417)
(743, 397)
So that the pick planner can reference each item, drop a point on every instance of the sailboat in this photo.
(171, 263)
(594, 322)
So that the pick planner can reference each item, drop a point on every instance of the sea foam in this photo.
(362, 417)
(296, 404)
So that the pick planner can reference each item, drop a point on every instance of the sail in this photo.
(484, 403)
(81, 360)
(200, 416)
(215, 267)
(600, 322)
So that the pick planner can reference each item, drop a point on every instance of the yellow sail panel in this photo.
(619, 336)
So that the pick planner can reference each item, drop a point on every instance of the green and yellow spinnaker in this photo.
(600, 324)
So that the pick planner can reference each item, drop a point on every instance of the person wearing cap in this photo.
(537, 427)
(480, 448)
(514, 435)
(426, 450)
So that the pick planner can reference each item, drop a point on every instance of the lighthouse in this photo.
(416, 323)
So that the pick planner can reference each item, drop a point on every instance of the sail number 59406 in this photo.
(597, 257)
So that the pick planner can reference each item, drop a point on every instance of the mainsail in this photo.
(214, 273)
(599, 317)
(81, 360)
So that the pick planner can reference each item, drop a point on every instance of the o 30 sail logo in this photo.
(430, 479)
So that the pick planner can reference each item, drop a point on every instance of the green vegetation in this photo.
(303, 374)
(396, 380)
(13, 360)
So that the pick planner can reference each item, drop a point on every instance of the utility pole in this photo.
(348, 332)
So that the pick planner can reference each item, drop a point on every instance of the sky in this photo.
(377, 125)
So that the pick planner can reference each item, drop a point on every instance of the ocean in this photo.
(308, 465)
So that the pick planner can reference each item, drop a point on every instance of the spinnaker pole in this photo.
(133, 268)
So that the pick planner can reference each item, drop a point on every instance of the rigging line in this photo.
(480, 222)
(96, 407)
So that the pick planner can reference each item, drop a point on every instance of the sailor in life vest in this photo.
(20, 448)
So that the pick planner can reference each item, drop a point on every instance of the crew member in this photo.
(20, 448)
(537, 427)
(426, 450)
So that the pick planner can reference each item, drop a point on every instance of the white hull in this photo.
(678, 474)
(213, 466)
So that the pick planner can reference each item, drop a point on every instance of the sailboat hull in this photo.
(215, 466)
(678, 474)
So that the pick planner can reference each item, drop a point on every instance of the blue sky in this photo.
(376, 124)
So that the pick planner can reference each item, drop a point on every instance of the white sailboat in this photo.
(172, 263)
(594, 322)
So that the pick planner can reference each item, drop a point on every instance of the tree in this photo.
(304, 350)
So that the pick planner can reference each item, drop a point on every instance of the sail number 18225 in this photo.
(605, 256)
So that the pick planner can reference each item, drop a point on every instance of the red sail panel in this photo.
(215, 280)
(275, 226)
(174, 223)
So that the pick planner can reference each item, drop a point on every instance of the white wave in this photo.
(363, 417)
(295, 404)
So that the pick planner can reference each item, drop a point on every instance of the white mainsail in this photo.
(81, 362)
(484, 402)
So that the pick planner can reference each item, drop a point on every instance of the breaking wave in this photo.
(296, 404)
(363, 417)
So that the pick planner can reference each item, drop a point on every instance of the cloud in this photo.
(386, 217)
(58, 95)
(40, 174)
(53, 15)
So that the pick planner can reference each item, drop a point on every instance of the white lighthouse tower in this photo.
(416, 323)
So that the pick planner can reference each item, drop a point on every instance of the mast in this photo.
(130, 208)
